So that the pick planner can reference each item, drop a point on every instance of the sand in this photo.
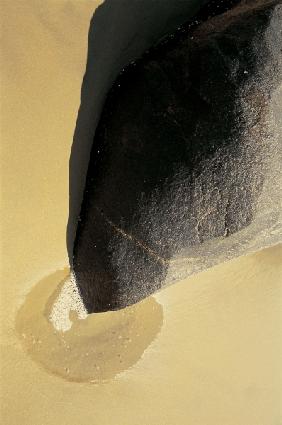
(205, 351)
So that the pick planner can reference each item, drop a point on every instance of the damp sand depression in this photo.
(57, 333)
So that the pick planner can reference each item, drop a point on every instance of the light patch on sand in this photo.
(68, 300)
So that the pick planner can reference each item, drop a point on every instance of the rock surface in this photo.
(185, 166)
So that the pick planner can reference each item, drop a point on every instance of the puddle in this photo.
(94, 349)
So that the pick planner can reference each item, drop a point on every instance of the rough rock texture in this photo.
(185, 166)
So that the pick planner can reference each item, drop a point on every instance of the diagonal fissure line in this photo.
(132, 238)
(141, 244)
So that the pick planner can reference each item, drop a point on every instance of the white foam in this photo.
(67, 301)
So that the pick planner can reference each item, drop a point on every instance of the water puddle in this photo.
(94, 349)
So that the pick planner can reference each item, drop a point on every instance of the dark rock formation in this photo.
(120, 31)
(184, 169)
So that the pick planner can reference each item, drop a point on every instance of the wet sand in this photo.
(205, 351)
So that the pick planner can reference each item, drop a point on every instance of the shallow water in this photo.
(93, 349)
(205, 351)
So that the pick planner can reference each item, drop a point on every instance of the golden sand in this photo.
(205, 351)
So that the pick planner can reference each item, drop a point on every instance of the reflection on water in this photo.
(92, 350)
